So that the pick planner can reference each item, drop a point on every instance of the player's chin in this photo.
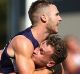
(54, 31)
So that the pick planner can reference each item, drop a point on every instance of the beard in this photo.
(52, 31)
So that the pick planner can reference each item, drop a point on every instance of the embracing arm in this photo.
(23, 50)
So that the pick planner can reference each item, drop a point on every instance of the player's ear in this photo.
(50, 64)
(44, 18)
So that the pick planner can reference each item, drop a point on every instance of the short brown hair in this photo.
(60, 48)
(36, 6)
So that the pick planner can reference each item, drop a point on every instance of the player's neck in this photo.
(40, 33)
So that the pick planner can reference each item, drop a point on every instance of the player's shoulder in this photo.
(21, 40)
(22, 46)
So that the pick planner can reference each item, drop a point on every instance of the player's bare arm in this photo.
(23, 49)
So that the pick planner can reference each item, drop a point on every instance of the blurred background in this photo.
(14, 17)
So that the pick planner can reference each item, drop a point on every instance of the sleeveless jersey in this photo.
(7, 64)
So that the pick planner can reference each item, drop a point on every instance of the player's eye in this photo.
(57, 14)
(41, 51)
